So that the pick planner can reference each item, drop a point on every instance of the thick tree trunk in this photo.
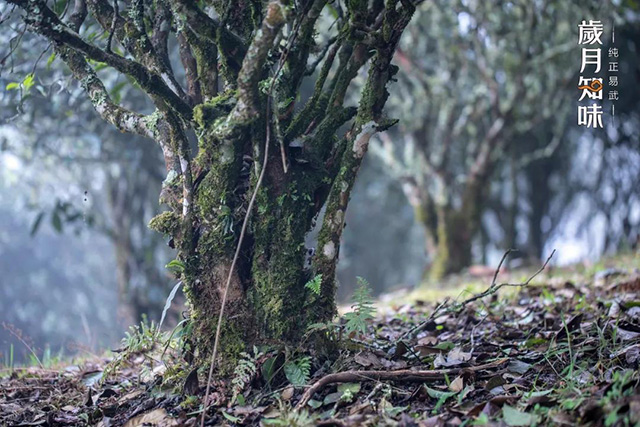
(449, 231)
(210, 196)
(454, 238)
(267, 300)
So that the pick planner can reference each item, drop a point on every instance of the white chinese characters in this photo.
(591, 62)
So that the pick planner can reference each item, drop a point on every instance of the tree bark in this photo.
(208, 194)
(453, 251)
(449, 231)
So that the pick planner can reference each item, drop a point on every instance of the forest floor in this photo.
(563, 349)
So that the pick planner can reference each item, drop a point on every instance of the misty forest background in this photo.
(452, 185)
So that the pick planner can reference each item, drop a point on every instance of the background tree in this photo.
(582, 187)
(117, 177)
(481, 77)
(258, 54)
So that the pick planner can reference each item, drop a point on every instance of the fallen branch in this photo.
(406, 375)
(447, 307)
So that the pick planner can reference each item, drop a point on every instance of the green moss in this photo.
(440, 266)
(278, 294)
(166, 222)
(152, 121)
(357, 5)
(232, 343)
(204, 114)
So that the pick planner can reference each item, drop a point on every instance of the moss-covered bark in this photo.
(453, 247)
(450, 231)
(260, 69)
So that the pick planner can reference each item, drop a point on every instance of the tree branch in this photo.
(131, 33)
(231, 45)
(367, 122)
(405, 375)
(79, 15)
(206, 52)
(252, 66)
(191, 70)
(123, 119)
(46, 22)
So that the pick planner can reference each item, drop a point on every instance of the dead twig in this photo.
(446, 307)
(406, 375)
(495, 288)
(17, 333)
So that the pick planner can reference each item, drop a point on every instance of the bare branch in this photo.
(406, 375)
(447, 307)
(46, 22)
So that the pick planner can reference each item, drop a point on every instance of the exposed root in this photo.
(405, 375)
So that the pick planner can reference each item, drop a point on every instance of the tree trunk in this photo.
(449, 231)
(253, 125)
(453, 250)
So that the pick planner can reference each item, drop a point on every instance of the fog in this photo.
(78, 264)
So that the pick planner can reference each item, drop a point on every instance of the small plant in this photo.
(175, 266)
(613, 401)
(314, 284)
(363, 309)
(140, 338)
(298, 371)
(189, 402)
(289, 417)
(245, 372)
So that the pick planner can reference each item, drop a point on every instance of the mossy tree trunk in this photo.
(449, 227)
(239, 59)
(453, 250)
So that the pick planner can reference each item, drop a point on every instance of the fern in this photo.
(289, 417)
(363, 309)
(314, 284)
(244, 373)
(140, 338)
(298, 371)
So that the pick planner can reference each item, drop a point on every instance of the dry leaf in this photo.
(456, 385)
(157, 417)
(287, 393)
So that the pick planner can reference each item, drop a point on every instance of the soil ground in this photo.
(561, 350)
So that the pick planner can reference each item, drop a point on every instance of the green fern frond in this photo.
(363, 309)
(298, 371)
(314, 284)
(244, 373)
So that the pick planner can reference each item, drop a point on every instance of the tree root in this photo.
(406, 375)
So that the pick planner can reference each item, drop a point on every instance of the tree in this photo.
(480, 77)
(58, 131)
(253, 143)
